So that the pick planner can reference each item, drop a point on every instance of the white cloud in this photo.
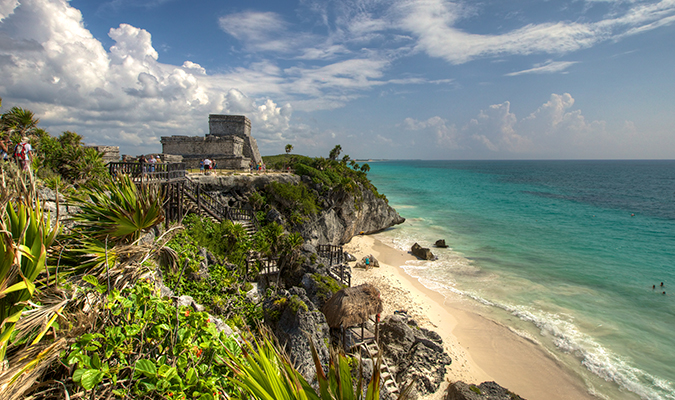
(441, 133)
(50, 63)
(258, 30)
(7, 7)
(549, 67)
(553, 130)
(54, 66)
(433, 23)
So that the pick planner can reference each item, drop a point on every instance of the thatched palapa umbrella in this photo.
(352, 306)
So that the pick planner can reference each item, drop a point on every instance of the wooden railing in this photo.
(333, 254)
(142, 172)
(205, 201)
(215, 208)
(243, 214)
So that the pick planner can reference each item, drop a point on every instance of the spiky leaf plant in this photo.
(25, 235)
(118, 211)
(265, 373)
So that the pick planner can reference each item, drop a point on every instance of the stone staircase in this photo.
(249, 227)
(386, 377)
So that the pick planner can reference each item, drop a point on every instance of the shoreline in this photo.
(481, 349)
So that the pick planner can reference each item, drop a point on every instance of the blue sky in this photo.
(431, 79)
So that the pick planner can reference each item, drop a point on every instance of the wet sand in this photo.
(481, 350)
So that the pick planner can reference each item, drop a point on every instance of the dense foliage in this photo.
(81, 311)
(62, 159)
(150, 349)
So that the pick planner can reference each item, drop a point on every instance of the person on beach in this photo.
(23, 153)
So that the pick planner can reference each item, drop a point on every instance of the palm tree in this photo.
(20, 121)
(333, 155)
(345, 159)
(365, 168)
(289, 148)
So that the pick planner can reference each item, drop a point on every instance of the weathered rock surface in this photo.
(296, 326)
(414, 353)
(440, 243)
(484, 391)
(319, 288)
(347, 215)
(343, 216)
(368, 262)
(422, 252)
(242, 181)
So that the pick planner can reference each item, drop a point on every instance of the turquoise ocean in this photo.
(564, 253)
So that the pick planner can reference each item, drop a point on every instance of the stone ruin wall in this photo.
(229, 143)
(225, 151)
(108, 153)
(235, 125)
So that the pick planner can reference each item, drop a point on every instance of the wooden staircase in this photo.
(202, 203)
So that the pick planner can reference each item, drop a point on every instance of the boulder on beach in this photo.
(440, 243)
(484, 391)
(422, 252)
(367, 262)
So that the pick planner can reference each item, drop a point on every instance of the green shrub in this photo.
(148, 349)
(294, 197)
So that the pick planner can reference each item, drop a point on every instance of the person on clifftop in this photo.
(23, 152)
(4, 149)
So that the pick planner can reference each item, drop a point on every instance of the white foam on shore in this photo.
(560, 328)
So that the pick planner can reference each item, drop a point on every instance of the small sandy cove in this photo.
(481, 350)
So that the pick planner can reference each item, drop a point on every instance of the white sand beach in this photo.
(481, 350)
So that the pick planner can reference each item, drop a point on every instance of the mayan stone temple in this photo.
(229, 143)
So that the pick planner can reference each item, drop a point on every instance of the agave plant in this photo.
(25, 235)
(264, 372)
(118, 211)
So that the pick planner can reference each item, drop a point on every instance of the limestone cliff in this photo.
(342, 215)
(349, 214)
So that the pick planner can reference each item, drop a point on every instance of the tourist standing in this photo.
(22, 154)
(143, 161)
(201, 166)
(4, 149)
(207, 165)
(151, 163)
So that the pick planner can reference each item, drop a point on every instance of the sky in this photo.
(396, 79)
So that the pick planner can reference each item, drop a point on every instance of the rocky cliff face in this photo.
(349, 214)
(343, 214)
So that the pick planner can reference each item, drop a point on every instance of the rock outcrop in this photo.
(484, 391)
(349, 214)
(295, 321)
(414, 353)
(422, 252)
(441, 243)
(367, 262)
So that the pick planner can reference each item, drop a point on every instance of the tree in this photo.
(333, 155)
(345, 159)
(19, 121)
(289, 148)
(365, 168)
